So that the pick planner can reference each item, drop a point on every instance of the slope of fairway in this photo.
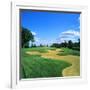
(35, 66)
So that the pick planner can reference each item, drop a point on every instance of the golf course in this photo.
(49, 44)
(49, 62)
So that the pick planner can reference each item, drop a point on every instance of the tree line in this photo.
(27, 36)
(69, 44)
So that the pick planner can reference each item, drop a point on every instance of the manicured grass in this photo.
(39, 49)
(67, 51)
(34, 66)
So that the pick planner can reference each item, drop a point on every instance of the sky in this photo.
(51, 27)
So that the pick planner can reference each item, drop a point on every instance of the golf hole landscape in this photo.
(50, 44)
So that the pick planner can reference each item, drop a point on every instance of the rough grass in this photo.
(52, 48)
(35, 66)
(67, 51)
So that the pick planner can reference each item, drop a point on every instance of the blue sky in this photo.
(51, 27)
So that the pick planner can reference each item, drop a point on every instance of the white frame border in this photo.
(15, 82)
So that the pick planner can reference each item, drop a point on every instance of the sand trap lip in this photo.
(33, 53)
(69, 71)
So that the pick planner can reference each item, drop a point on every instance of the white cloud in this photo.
(71, 32)
(34, 33)
(39, 41)
(68, 35)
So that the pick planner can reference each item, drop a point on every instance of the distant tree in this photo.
(33, 45)
(26, 36)
(76, 45)
(70, 44)
(79, 42)
(56, 45)
(65, 44)
(41, 45)
(47, 45)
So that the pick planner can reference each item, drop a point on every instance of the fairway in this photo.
(45, 62)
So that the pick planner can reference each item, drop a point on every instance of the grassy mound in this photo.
(67, 51)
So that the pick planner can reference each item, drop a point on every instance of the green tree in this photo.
(26, 36)
(70, 44)
(79, 42)
(65, 44)
(41, 45)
